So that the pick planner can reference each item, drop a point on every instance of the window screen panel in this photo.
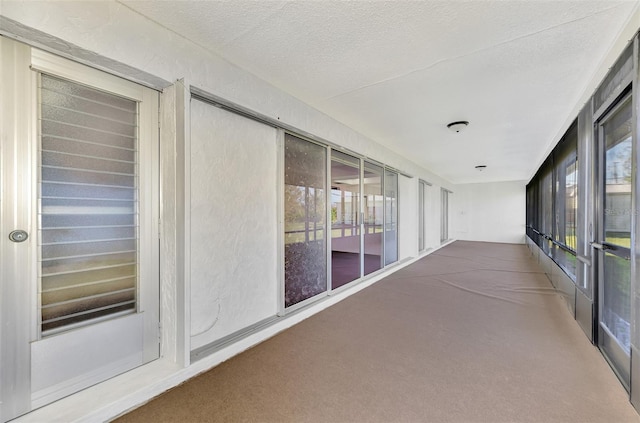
(616, 78)
(88, 222)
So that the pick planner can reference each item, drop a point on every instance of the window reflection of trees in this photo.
(304, 215)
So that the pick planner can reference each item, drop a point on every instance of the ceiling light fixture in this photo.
(481, 167)
(458, 126)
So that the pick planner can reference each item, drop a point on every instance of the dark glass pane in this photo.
(305, 178)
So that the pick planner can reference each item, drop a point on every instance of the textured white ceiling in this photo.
(399, 71)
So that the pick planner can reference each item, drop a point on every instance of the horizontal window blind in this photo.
(88, 216)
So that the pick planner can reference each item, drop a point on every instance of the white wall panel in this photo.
(492, 212)
(432, 216)
(408, 218)
(233, 223)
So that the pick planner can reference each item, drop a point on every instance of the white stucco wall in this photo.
(408, 217)
(233, 223)
(492, 212)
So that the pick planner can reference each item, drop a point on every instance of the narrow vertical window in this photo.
(305, 264)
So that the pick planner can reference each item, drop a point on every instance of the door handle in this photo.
(584, 260)
(18, 235)
(623, 253)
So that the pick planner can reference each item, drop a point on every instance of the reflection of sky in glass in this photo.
(618, 163)
(617, 216)
(572, 176)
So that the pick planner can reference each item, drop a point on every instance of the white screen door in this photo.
(79, 236)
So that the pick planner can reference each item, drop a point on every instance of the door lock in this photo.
(18, 235)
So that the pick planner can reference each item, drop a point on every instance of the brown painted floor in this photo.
(471, 333)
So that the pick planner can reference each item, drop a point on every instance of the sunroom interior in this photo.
(181, 181)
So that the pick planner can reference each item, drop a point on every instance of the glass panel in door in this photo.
(345, 219)
(373, 217)
(88, 214)
(305, 253)
(615, 237)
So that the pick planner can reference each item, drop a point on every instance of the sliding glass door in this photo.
(345, 219)
(373, 217)
(362, 208)
(614, 237)
(305, 249)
